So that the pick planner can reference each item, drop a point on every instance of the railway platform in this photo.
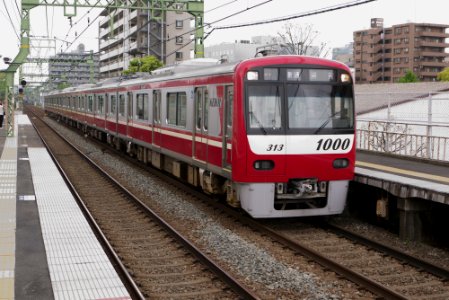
(420, 186)
(47, 249)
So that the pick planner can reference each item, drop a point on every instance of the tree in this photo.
(62, 85)
(409, 77)
(393, 138)
(145, 64)
(443, 75)
(301, 40)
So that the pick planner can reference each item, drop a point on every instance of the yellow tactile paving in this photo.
(8, 177)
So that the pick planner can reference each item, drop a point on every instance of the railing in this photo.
(395, 138)
(412, 124)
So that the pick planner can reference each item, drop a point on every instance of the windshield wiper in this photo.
(258, 123)
(326, 122)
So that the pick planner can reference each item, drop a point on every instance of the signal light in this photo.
(23, 82)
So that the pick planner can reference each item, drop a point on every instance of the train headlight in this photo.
(341, 163)
(345, 78)
(252, 75)
(263, 165)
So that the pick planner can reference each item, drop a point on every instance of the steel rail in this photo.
(130, 285)
(409, 259)
(241, 290)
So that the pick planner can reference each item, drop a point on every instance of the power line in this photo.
(10, 20)
(301, 15)
(216, 21)
(16, 14)
(87, 27)
(17, 6)
(71, 26)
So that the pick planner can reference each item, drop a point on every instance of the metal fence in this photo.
(410, 124)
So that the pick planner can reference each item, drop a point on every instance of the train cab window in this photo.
(142, 107)
(177, 109)
(90, 103)
(319, 107)
(121, 106)
(264, 107)
(113, 105)
(100, 104)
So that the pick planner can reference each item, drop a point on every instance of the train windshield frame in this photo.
(299, 100)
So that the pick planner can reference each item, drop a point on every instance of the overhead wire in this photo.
(76, 23)
(206, 25)
(216, 21)
(16, 11)
(87, 27)
(301, 15)
(290, 17)
(11, 22)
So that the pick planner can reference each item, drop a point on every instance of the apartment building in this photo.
(386, 54)
(73, 68)
(344, 54)
(126, 34)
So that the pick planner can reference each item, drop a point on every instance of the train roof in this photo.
(190, 68)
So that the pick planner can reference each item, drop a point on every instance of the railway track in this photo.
(156, 261)
(385, 272)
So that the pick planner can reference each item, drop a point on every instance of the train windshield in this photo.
(299, 106)
(319, 107)
(265, 107)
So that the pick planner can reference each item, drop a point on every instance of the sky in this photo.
(333, 28)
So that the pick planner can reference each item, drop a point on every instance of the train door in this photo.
(111, 118)
(200, 138)
(157, 131)
(129, 115)
(101, 110)
(227, 126)
(121, 114)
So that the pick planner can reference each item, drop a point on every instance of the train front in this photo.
(293, 151)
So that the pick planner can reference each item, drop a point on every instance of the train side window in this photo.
(130, 106)
(142, 107)
(198, 107)
(229, 90)
(100, 104)
(157, 107)
(113, 105)
(177, 109)
(90, 103)
(83, 103)
(121, 106)
(206, 109)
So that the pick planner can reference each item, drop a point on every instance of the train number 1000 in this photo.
(328, 144)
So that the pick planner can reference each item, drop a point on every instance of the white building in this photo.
(239, 50)
(125, 34)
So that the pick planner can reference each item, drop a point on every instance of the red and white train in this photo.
(274, 134)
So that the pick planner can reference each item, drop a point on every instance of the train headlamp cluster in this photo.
(340, 163)
(263, 165)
